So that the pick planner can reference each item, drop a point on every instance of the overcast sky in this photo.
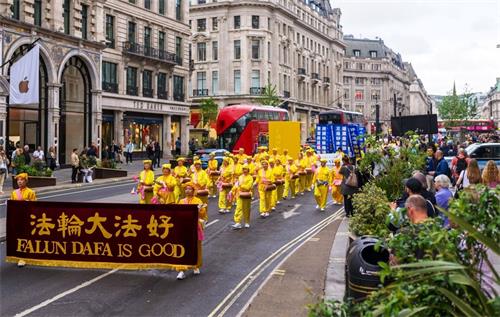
(444, 40)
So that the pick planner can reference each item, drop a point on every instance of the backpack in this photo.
(352, 179)
(461, 165)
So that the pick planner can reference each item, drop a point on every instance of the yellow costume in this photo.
(264, 178)
(301, 164)
(321, 181)
(164, 189)
(243, 205)
(145, 187)
(213, 164)
(310, 169)
(202, 218)
(335, 181)
(226, 177)
(180, 172)
(290, 182)
(200, 180)
(26, 194)
(279, 176)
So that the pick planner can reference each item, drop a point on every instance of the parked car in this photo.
(482, 152)
(204, 156)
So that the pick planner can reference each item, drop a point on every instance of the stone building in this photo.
(145, 73)
(238, 47)
(86, 50)
(375, 74)
(490, 109)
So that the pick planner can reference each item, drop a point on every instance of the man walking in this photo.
(129, 149)
(75, 163)
(157, 153)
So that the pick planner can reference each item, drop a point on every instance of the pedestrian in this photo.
(443, 196)
(178, 145)
(442, 167)
(430, 166)
(38, 155)
(75, 165)
(244, 187)
(146, 182)
(4, 171)
(129, 149)
(105, 154)
(191, 199)
(290, 178)
(321, 182)
(157, 153)
(225, 185)
(491, 175)
(192, 146)
(265, 181)
(200, 180)
(51, 158)
(150, 153)
(26, 153)
(350, 184)
(163, 190)
(113, 149)
(119, 153)
(470, 176)
(458, 164)
(336, 182)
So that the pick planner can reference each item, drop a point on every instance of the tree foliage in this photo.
(209, 110)
(270, 96)
(457, 107)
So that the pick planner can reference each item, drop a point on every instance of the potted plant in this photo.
(39, 174)
(108, 169)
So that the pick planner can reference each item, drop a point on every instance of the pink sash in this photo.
(19, 195)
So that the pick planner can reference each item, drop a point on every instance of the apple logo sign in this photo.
(23, 85)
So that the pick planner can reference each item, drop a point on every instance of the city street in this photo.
(235, 264)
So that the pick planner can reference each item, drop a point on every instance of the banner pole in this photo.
(15, 56)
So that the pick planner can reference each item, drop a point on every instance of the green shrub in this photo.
(370, 211)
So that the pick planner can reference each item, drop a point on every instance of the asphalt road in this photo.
(235, 263)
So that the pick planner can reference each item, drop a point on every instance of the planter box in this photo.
(36, 181)
(100, 173)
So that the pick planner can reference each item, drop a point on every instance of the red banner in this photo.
(97, 235)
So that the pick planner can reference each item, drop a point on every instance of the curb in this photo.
(335, 275)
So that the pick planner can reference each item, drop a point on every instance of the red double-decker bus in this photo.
(472, 125)
(246, 126)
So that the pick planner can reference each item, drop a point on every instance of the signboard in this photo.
(420, 124)
(349, 137)
(324, 138)
(285, 135)
(97, 235)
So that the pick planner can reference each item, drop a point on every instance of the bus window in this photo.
(263, 140)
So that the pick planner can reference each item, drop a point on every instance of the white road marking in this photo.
(63, 294)
(212, 222)
(291, 212)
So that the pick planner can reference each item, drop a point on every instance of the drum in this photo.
(279, 182)
(214, 173)
(148, 189)
(309, 170)
(202, 192)
(301, 173)
(186, 180)
(227, 185)
(245, 195)
(270, 187)
(295, 176)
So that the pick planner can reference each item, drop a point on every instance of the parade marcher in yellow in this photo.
(274, 154)
(23, 192)
(244, 187)
(191, 168)
(181, 173)
(164, 187)
(146, 182)
(301, 164)
(200, 180)
(291, 178)
(279, 179)
(336, 181)
(225, 184)
(321, 182)
(191, 199)
(284, 156)
(274, 192)
(261, 154)
(265, 181)
(310, 168)
(213, 174)
(241, 154)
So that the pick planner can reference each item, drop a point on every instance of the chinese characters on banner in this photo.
(324, 139)
(348, 137)
(97, 235)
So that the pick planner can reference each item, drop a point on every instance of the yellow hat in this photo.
(245, 166)
(226, 159)
(323, 160)
(22, 175)
(166, 166)
(211, 154)
(275, 149)
(181, 159)
(271, 160)
(264, 161)
(197, 162)
(285, 150)
(277, 159)
(196, 157)
(289, 158)
(241, 149)
(337, 160)
(188, 184)
(147, 162)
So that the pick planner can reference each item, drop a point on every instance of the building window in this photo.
(360, 108)
(375, 95)
(201, 51)
(161, 41)
(237, 81)
(132, 81)
(237, 21)
(131, 32)
(215, 24)
(373, 54)
(215, 82)
(376, 81)
(347, 94)
(347, 65)
(269, 50)
(215, 50)
(147, 4)
(178, 88)
(85, 11)
(161, 86)
(110, 31)
(376, 67)
(147, 41)
(38, 12)
(201, 25)
(201, 83)
(147, 83)
(359, 94)
(109, 82)
(255, 49)
(178, 10)
(161, 7)
(131, 1)
(255, 21)
(15, 8)
(357, 53)
(66, 14)
(237, 49)
(178, 47)
(360, 66)
(255, 79)
(359, 81)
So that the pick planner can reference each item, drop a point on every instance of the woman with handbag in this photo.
(225, 185)
(265, 181)
(244, 187)
(350, 184)
(4, 162)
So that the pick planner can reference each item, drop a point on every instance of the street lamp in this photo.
(377, 114)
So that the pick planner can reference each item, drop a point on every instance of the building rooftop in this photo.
(367, 47)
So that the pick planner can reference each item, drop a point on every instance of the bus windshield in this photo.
(330, 118)
(228, 138)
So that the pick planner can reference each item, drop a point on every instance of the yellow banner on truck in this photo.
(285, 135)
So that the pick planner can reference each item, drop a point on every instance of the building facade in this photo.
(376, 75)
(145, 71)
(238, 47)
(87, 49)
(490, 109)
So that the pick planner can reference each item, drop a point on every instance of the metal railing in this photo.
(315, 76)
(257, 90)
(200, 92)
(110, 87)
(286, 94)
(133, 91)
(179, 97)
(162, 94)
(151, 52)
(326, 79)
(147, 92)
(301, 71)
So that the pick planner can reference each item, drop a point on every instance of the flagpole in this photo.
(15, 56)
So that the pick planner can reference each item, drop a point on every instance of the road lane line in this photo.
(212, 222)
(229, 300)
(63, 294)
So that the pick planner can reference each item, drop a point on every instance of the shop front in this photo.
(142, 129)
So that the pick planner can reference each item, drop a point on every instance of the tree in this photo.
(457, 107)
(209, 110)
(269, 96)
